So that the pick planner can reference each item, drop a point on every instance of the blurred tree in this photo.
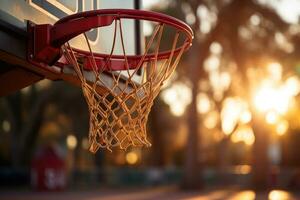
(26, 117)
(26, 114)
(247, 32)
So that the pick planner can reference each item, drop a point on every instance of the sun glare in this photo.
(276, 98)
(269, 98)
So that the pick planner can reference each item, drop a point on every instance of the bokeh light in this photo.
(211, 120)
(244, 195)
(272, 117)
(243, 134)
(231, 113)
(275, 71)
(203, 103)
(245, 117)
(132, 158)
(178, 97)
(282, 127)
(279, 195)
(71, 142)
(6, 126)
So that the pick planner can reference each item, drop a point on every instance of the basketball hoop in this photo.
(118, 109)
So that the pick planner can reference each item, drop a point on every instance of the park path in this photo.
(161, 193)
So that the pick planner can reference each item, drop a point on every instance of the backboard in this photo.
(16, 72)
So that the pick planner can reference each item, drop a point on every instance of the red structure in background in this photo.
(48, 171)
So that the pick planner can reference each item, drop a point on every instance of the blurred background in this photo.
(225, 126)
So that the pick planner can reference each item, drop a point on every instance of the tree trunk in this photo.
(192, 168)
(223, 159)
(260, 160)
(158, 145)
